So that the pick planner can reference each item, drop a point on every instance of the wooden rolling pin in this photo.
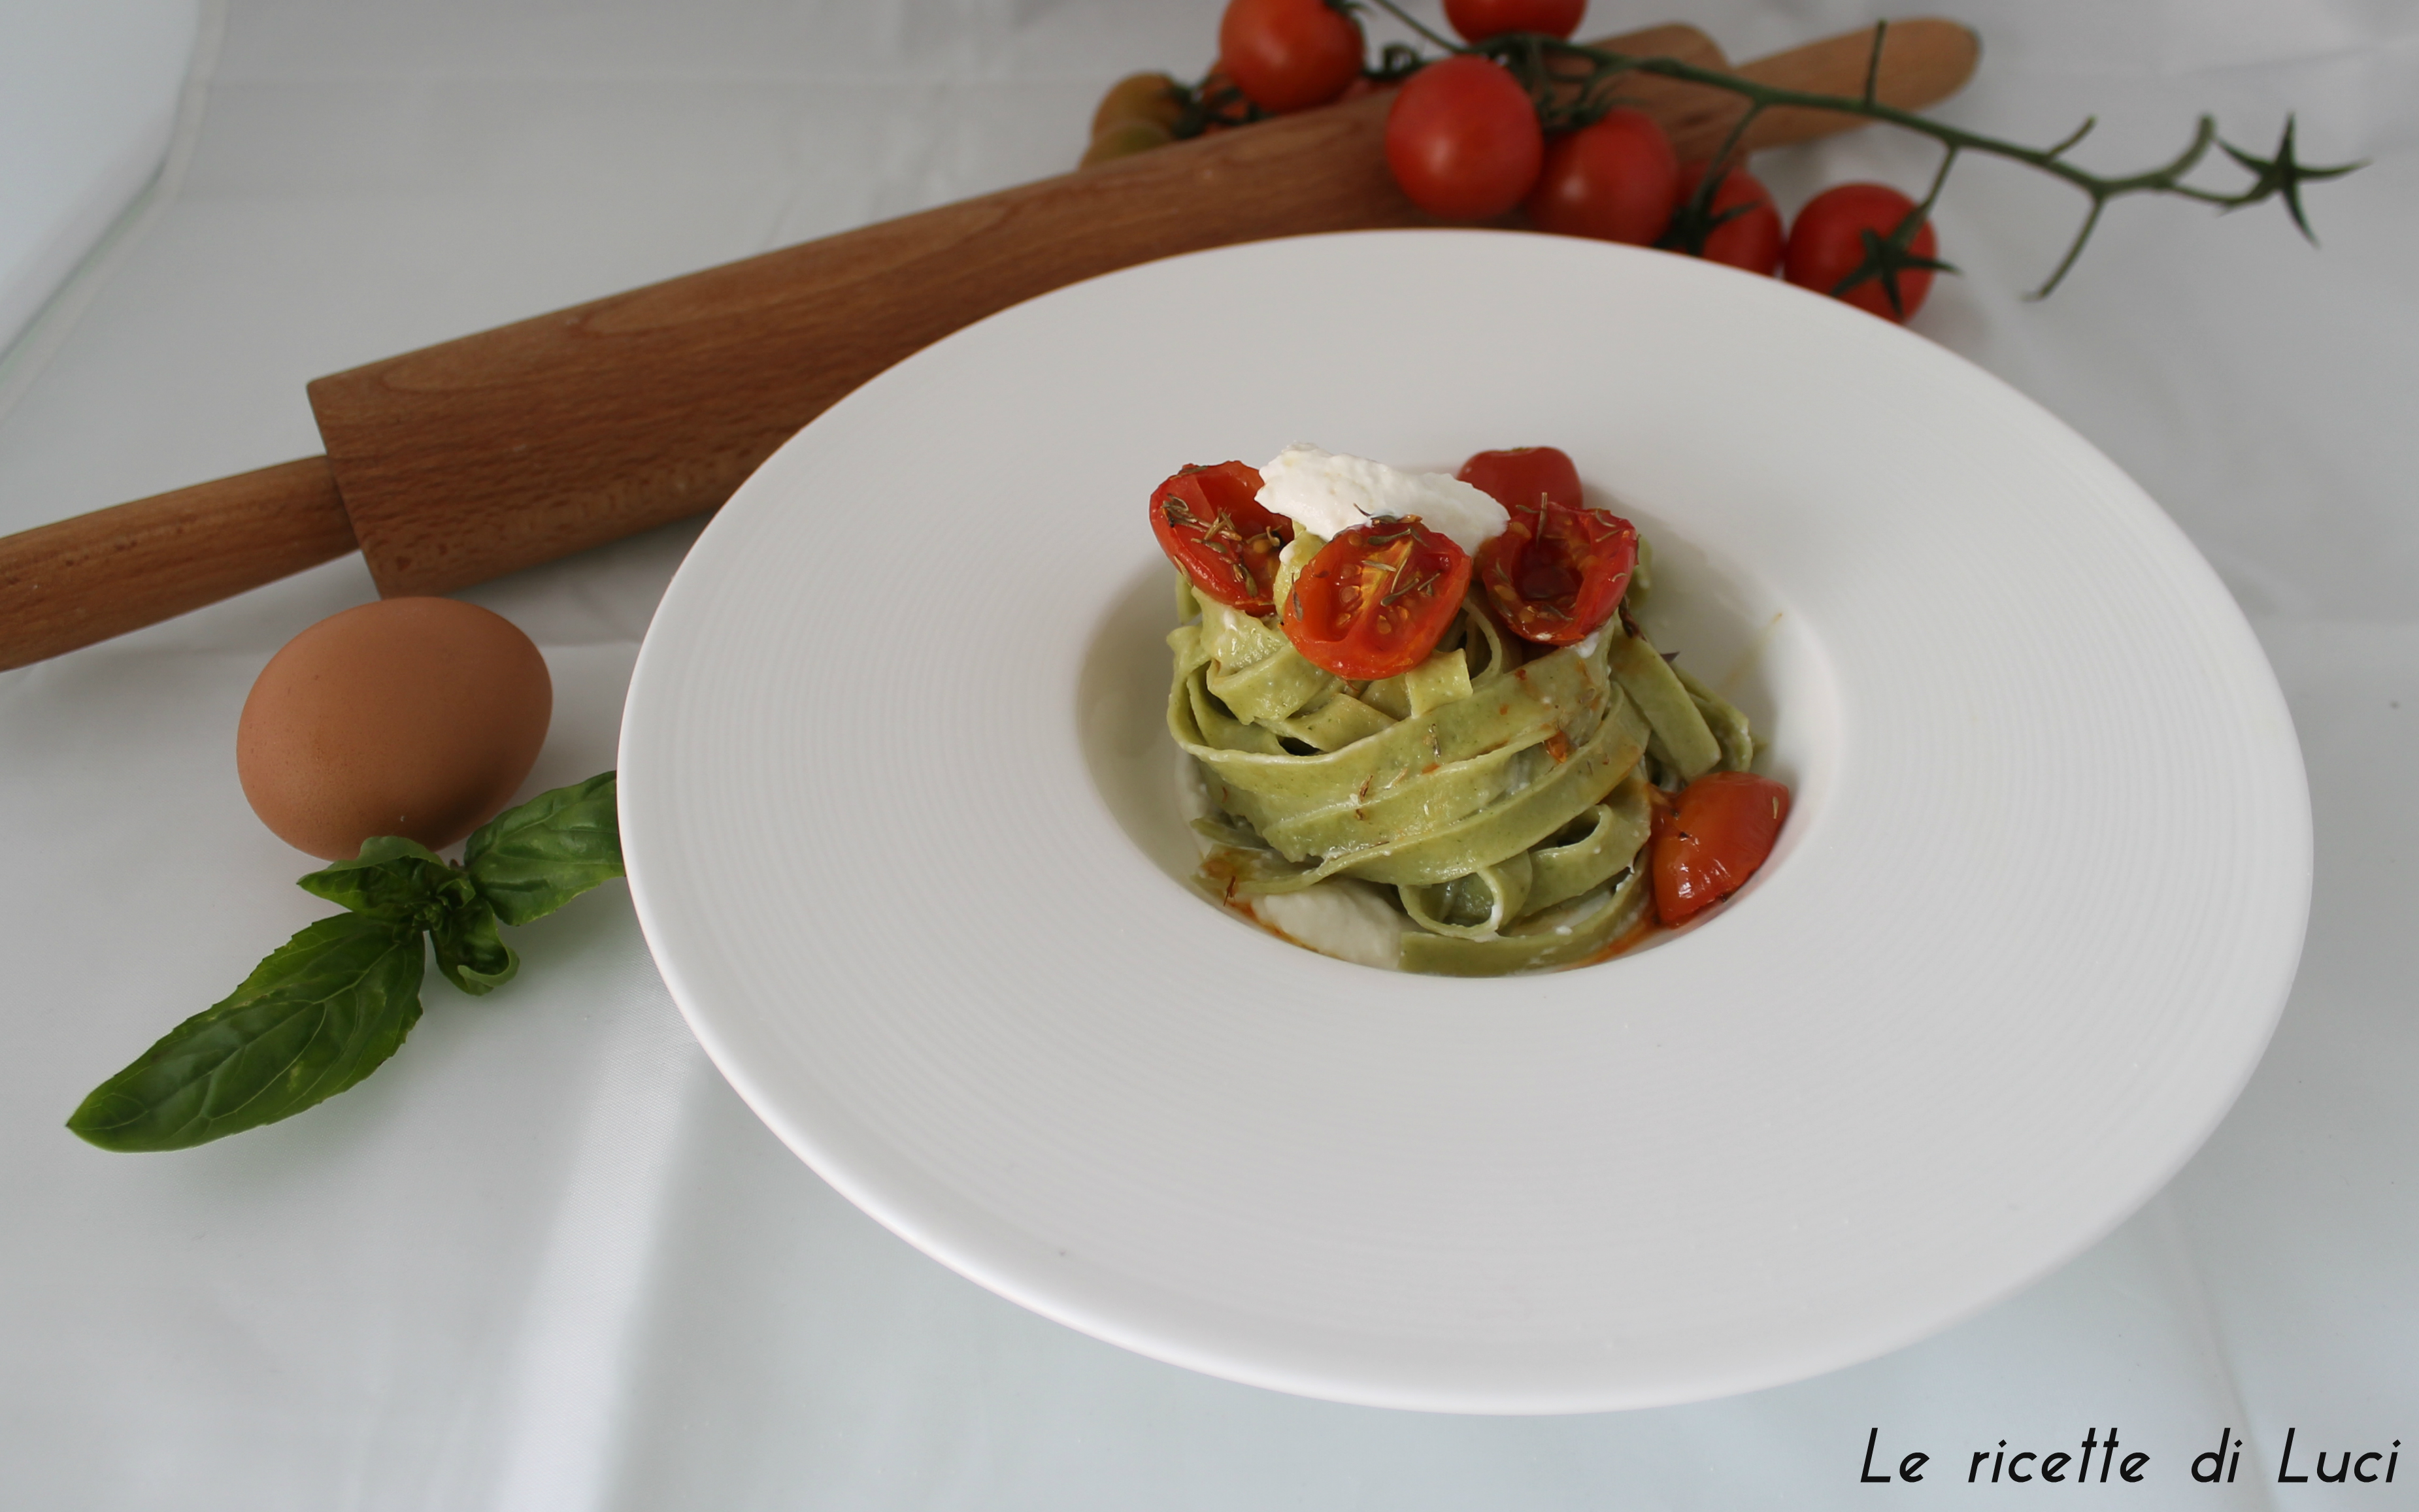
(475, 458)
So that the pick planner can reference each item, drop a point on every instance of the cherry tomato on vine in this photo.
(1123, 140)
(1138, 97)
(1560, 567)
(1289, 54)
(1616, 180)
(1752, 238)
(1827, 247)
(1712, 840)
(1478, 20)
(1462, 139)
(1210, 524)
(1376, 599)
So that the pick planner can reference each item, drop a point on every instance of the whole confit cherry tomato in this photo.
(1560, 567)
(1523, 475)
(1462, 139)
(1616, 180)
(1826, 247)
(1478, 20)
(1289, 54)
(1750, 238)
(1210, 524)
(1712, 840)
(1376, 599)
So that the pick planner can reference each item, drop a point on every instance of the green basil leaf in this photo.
(530, 861)
(316, 1016)
(394, 879)
(470, 952)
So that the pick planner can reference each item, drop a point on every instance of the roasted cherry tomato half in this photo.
(1746, 227)
(1462, 139)
(1478, 20)
(1708, 842)
(1289, 55)
(1827, 247)
(1209, 522)
(1560, 567)
(1376, 599)
(1616, 180)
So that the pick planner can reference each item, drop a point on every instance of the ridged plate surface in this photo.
(890, 799)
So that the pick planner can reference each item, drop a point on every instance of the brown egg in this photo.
(416, 717)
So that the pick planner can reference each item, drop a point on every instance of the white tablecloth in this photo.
(546, 1259)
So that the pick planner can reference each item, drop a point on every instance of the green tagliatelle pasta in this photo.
(1485, 812)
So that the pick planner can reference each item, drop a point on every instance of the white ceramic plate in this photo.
(896, 801)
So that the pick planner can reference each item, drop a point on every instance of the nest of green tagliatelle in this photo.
(1493, 808)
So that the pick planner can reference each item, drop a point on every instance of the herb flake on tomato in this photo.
(1376, 600)
(1211, 524)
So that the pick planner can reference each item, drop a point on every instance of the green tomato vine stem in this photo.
(1569, 96)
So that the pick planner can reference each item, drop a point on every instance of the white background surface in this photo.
(88, 96)
(546, 1259)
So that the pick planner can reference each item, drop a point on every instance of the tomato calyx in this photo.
(1559, 569)
(1214, 104)
(1868, 245)
(1376, 600)
(1886, 257)
(1212, 524)
(1725, 217)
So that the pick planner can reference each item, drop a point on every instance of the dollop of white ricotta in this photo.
(1327, 494)
(1343, 916)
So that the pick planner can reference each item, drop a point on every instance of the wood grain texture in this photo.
(468, 460)
(82, 580)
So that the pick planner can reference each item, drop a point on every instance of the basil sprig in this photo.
(323, 1010)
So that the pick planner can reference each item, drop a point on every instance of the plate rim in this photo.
(985, 1268)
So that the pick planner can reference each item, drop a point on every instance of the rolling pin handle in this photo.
(101, 574)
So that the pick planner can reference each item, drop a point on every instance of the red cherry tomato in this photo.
(1289, 54)
(1616, 180)
(1376, 599)
(1463, 139)
(1560, 567)
(1210, 524)
(1826, 247)
(1523, 474)
(1750, 238)
(1478, 20)
(1709, 843)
